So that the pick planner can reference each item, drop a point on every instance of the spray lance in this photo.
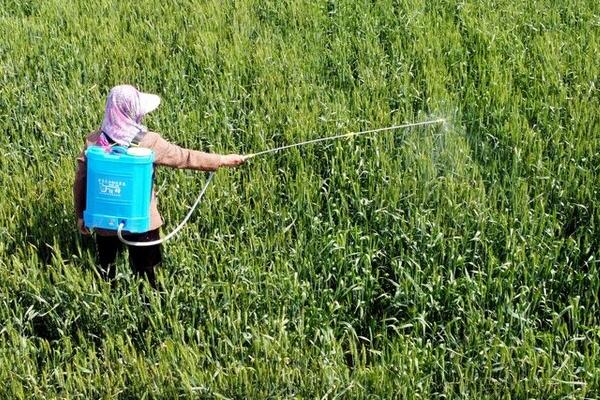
(125, 181)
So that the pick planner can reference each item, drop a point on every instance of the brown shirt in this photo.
(165, 153)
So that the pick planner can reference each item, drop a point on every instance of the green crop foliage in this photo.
(455, 261)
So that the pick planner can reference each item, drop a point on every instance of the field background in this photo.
(457, 261)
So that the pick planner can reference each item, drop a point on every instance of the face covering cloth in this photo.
(125, 107)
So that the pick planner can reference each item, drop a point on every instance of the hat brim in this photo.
(148, 102)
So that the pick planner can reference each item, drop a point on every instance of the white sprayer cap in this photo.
(139, 151)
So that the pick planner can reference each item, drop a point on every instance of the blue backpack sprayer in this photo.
(119, 185)
(119, 188)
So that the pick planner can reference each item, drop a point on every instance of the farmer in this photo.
(125, 108)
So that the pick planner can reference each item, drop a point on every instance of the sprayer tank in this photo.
(119, 188)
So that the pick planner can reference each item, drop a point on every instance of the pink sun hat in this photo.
(125, 108)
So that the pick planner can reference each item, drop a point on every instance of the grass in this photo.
(445, 262)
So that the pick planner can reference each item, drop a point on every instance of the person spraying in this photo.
(122, 127)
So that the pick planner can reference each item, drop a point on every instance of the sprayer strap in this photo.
(135, 142)
(138, 138)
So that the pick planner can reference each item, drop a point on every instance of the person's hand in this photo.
(82, 228)
(232, 160)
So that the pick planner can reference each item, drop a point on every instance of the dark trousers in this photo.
(143, 260)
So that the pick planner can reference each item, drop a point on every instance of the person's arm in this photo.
(79, 192)
(172, 155)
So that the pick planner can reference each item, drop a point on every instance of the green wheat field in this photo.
(454, 261)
